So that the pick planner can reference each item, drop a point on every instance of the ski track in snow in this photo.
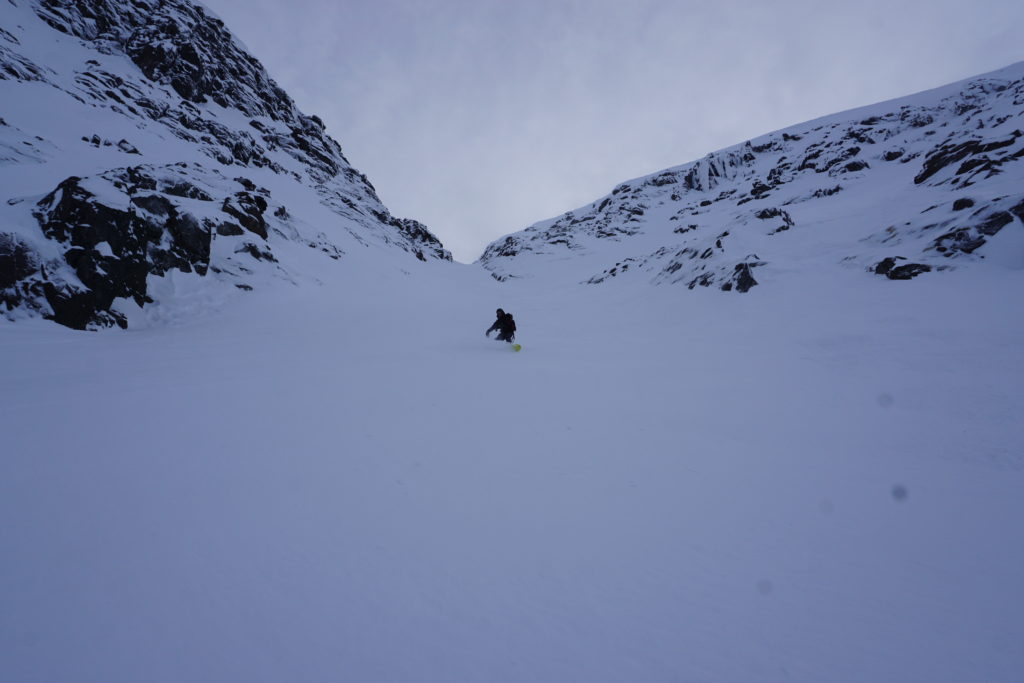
(813, 482)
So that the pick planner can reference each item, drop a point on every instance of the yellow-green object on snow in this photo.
(517, 347)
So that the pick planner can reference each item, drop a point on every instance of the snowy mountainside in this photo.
(922, 183)
(138, 140)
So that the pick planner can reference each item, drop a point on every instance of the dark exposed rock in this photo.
(916, 118)
(704, 280)
(826, 192)
(421, 239)
(963, 203)
(908, 271)
(944, 155)
(885, 265)
(14, 66)
(664, 179)
(155, 204)
(80, 309)
(506, 248)
(743, 278)
(888, 267)
(17, 261)
(777, 176)
(775, 212)
(1018, 210)
(740, 279)
(995, 222)
(229, 229)
(186, 190)
(192, 242)
(969, 238)
(859, 135)
(246, 183)
(248, 209)
(256, 252)
(810, 160)
(961, 240)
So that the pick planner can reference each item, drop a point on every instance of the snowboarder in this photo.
(505, 326)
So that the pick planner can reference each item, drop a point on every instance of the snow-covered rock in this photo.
(140, 138)
(899, 188)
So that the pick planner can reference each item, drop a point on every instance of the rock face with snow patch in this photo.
(139, 138)
(900, 188)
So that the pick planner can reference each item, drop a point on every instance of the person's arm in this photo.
(492, 328)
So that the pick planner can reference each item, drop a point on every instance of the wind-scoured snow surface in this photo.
(814, 482)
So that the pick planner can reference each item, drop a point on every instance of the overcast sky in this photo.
(481, 117)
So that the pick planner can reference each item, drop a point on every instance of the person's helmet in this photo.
(500, 312)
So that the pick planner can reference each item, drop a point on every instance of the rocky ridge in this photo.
(152, 142)
(898, 189)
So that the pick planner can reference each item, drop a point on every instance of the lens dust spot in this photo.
(900, 493)
(885, 399)
(765, 587)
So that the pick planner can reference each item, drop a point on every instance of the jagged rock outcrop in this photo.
(102, 250)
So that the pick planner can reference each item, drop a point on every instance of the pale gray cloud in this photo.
(480, 117)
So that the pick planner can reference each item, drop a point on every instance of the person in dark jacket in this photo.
(505, 326)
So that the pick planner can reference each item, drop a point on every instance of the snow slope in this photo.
(818, 481)
(303, 461)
